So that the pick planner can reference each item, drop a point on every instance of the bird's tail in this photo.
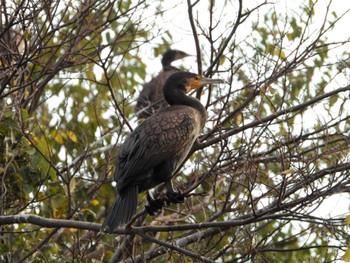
(122, 210)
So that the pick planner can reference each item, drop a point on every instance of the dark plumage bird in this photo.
(156, 148)
(153, 90)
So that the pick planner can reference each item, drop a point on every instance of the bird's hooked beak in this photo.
(201, 81)
(181, 54)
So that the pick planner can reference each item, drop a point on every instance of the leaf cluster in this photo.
(274, 150)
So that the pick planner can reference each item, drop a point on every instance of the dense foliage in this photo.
(263, 182)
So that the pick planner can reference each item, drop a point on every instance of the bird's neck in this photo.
(166, 62)
(169, 67)
(182, 99)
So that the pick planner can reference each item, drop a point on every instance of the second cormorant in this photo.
(148, 100)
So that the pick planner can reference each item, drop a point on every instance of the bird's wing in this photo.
(162, 136)
(144, 98)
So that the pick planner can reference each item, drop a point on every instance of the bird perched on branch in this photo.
(157, 147)
(148, 100)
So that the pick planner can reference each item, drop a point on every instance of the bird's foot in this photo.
(174, 197)
(154, 205)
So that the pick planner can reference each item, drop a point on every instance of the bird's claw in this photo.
(174, 197)
(154, 205)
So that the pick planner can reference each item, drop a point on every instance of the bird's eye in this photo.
(196, 78)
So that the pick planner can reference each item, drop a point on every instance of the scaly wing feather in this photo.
(164, 135)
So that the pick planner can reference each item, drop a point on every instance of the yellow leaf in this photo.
(71, 136)
(43, 145)
(275, 51)
(239, 118)
(72, 184)
(95, 202)
(347, 220)
(35, 140)
(72, 230)
(279, 53)
(59, 139)
(285, 172)
(346, 256)
(58, 201)
(222, 60)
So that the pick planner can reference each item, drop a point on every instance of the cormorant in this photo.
(156, 148)
(153, 90)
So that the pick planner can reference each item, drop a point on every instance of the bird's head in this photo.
(185, 82)
(190, 81)
(172, 55)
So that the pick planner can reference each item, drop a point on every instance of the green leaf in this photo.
(296, 30)
(24, 113)
(333, 100)
(3, 249)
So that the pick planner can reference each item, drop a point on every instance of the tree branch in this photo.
(271, 117)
